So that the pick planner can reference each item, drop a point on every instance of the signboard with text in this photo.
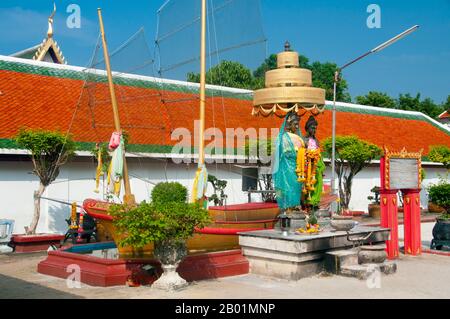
(401, 170)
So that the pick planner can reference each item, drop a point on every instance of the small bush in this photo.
(169, 192)
(156, 222)
(439, 194)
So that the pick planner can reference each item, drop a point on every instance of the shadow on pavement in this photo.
(13, 288)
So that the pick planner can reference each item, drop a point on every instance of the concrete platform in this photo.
(295, 256)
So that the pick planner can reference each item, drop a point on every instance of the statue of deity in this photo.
(313, 166)
(287, 187)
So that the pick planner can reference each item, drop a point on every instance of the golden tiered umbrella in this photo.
(288, 88)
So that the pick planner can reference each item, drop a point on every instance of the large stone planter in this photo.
(375, 254)
(374, 210)
(441, 234)
(342, 223)
(170, 254)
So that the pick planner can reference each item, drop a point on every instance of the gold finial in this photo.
(50, 22)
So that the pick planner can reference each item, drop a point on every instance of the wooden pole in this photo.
(201, 152)
(128, 197)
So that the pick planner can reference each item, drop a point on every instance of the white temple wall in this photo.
(76, 182)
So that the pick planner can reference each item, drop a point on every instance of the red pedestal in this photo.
(389, 219)
(101, 272)
(411, 218)
(35, 243)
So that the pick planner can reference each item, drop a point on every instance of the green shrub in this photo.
(156, 222)
(440, 154)
(439, 194)
(169, 192)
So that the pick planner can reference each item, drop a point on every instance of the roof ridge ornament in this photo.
(50, 22)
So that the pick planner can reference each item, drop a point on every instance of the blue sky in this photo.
(323, 30)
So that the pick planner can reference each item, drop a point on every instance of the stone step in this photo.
(335, 260)
(363, 271)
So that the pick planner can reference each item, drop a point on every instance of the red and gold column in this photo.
(411, 206)
(389, 219)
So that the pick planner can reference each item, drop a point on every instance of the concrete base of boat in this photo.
(104, 272)
(297, 256)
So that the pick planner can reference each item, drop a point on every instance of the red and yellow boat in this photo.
(220, 235)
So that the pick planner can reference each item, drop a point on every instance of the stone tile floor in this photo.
(425, 276)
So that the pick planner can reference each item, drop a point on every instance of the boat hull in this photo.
(222, 234)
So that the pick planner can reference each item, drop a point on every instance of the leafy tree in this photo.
(378, 99)
(427, 106)
(352, 155)
(440, 154)
(446, 104)
(323, 77)
(408, 103)
(226, 73)
(49, 151)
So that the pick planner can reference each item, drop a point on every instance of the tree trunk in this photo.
(37, 210)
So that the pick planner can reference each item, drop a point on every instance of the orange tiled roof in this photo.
(38, 95)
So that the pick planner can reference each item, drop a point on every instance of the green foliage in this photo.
(426, 106)
(323, 77)
(156, 222)
(440, 154)
(49, 150)
(423, 174)
(378, 99)
(352, 155)
(446, 104)
(404, 102)
(312, 219)
(226, 73)
(169, 192)
(439, 194)
(234, 74)
(258, 147)
(219, 190)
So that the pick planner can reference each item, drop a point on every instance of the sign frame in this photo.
(403, 154)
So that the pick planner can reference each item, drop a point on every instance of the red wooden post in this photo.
(389, 219)
(411, 204)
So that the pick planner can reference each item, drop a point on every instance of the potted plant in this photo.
(167, 222)
(440, 194)
(374, 207)
(219, 197)
(49, 151)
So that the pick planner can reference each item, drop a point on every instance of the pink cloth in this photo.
(114, 142)
(312, 145)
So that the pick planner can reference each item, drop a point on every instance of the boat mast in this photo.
(201, 152)
(128, 197)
